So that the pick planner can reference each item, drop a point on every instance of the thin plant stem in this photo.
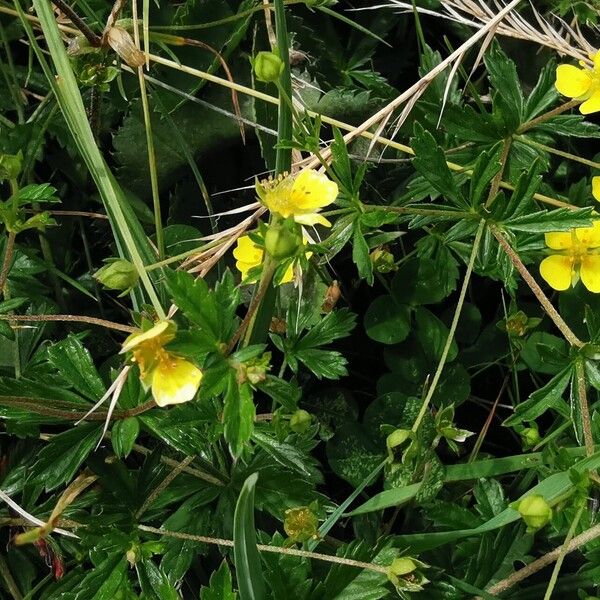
(69, 319)
(163, 485)
(495, 186)
(561, 153)
(64, 410)
(548, 115)
(586, 420)
(9, 580)
(9, 249)
(537, 565)
(264, 548)
(93, 38)
(563, 553)
(536, 289)
(158, 226)
(454, 324)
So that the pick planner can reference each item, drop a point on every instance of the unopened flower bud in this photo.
(10, 165)
(300, 421)
(530, 436)
(403, 566)
(535, 511)
(282, 241)
(301, 524)
(267, 66)
(383, 261)
(118, 274)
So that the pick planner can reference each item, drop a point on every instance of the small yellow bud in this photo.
(300, 421)
(118, 274)
(267, 66)
(535, 511)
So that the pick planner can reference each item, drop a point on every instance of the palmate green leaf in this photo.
(547, 397)
(544, 94)
(487, 166)
(570, 125)
(468, 125)
(248, 566)
(123, 436)
(430, 162)
(290, 457)
(220, 586)
(560, 219)
(284, 392)
(335, 325)
(61, 458)
(360, 253)
(502, 73)
(238, 414)
(432, 335)
(74, 363)
(330, 364)
(418, 279)
(154, 582)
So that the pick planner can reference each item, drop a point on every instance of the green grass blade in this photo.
(126, 227)
(251, 583)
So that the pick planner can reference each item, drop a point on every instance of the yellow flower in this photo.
(173, 380)
(248, 255)
(581, 83)
(577, 256)
(301, 196)
(596, 187)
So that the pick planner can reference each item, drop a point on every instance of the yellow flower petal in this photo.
(596, 59)
(589, 237)
(589, 272)
(247, 251)
(559, 240)
(572, 81)
(312, 219)
(312, 190)
(592, 104)
(596, 188)
(140, 337)
(174, 380)
(557, 271)
(288, 276)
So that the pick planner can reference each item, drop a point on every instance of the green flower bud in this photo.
(300, 421)
(267, 66)
(530, 436)
(118, 274)
(282, 241)
(10, 165)
(301, 524)
(403, 566)
(383, 261)
(535, 511)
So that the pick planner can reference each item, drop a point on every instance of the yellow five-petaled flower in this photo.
(249, 254)
(581, 83)
(173, 379)
(577, 255)
(300, 196)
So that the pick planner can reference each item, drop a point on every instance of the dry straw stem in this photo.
(335, 122)
(537, 565)
(478, 14)
(69, 319)
(418, 87)
(264, 548)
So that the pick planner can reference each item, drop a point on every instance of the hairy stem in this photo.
(548, 115)
(70, 319)
(586, 420)
(454, 324)
(9, 250)
(536, 289)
